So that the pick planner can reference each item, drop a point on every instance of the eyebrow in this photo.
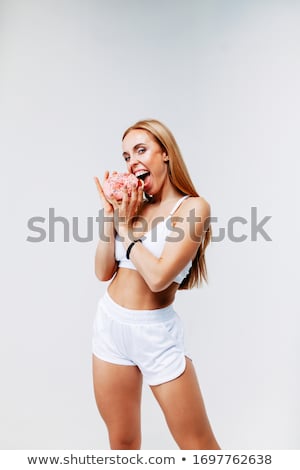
(134, 148)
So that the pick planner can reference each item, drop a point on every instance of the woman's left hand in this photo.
(127, 208)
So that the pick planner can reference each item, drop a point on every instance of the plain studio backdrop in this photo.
(224, 77)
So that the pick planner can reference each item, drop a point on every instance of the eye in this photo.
(127, 158)
(141, 150)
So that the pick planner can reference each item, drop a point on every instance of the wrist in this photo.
(130, 246)
(125, 233)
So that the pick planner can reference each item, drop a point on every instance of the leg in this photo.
(183, 407)
(118, 391)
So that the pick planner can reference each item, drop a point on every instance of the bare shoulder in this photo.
(198, 204)
(194, 210)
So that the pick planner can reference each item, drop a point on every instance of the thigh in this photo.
(118, 391)
(182, 403)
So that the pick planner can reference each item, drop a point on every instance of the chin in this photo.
(148, 196)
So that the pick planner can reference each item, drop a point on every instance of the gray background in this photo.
(224, 76)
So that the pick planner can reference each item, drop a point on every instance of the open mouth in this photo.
(141, 175)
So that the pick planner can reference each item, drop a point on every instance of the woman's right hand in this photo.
(107, 206)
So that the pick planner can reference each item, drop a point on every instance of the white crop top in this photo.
(154, 241)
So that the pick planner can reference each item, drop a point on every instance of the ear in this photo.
(165, 157)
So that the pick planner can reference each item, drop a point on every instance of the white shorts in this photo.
(153, 340)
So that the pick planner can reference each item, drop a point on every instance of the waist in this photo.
(129, 289)
(128, 315)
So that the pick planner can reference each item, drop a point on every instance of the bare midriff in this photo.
(129, 290)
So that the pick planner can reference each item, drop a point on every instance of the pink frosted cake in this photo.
(114, 185)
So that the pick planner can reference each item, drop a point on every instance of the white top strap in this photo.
(178, 204)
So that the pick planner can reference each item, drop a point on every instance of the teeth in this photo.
(140, 173)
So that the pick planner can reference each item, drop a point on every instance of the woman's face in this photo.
(145, 158)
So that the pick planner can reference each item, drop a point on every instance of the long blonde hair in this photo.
(180, 178)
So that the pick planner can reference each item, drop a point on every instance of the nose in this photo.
(132, 162)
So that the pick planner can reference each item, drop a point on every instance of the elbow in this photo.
(105, 275)
(102, 277)
(159, 284)
(154, 288)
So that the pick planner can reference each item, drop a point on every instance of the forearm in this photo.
(105, 263)
(148, 265)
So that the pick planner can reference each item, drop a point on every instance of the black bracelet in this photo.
(131, 246)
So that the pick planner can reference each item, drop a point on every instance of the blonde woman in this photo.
(150, 247)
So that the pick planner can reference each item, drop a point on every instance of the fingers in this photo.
(131, 201)
(106, 203)
(114, 203)
(140, 194)
(99, 187)
(136, 199)
(124, 202)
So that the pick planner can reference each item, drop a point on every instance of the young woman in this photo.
(137, 333)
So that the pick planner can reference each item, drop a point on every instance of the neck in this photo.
(167, 193)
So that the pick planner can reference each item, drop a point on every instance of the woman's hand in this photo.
(123, 210)
(107, 206)
(127, 208)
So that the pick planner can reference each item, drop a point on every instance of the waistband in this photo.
(128, 315)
